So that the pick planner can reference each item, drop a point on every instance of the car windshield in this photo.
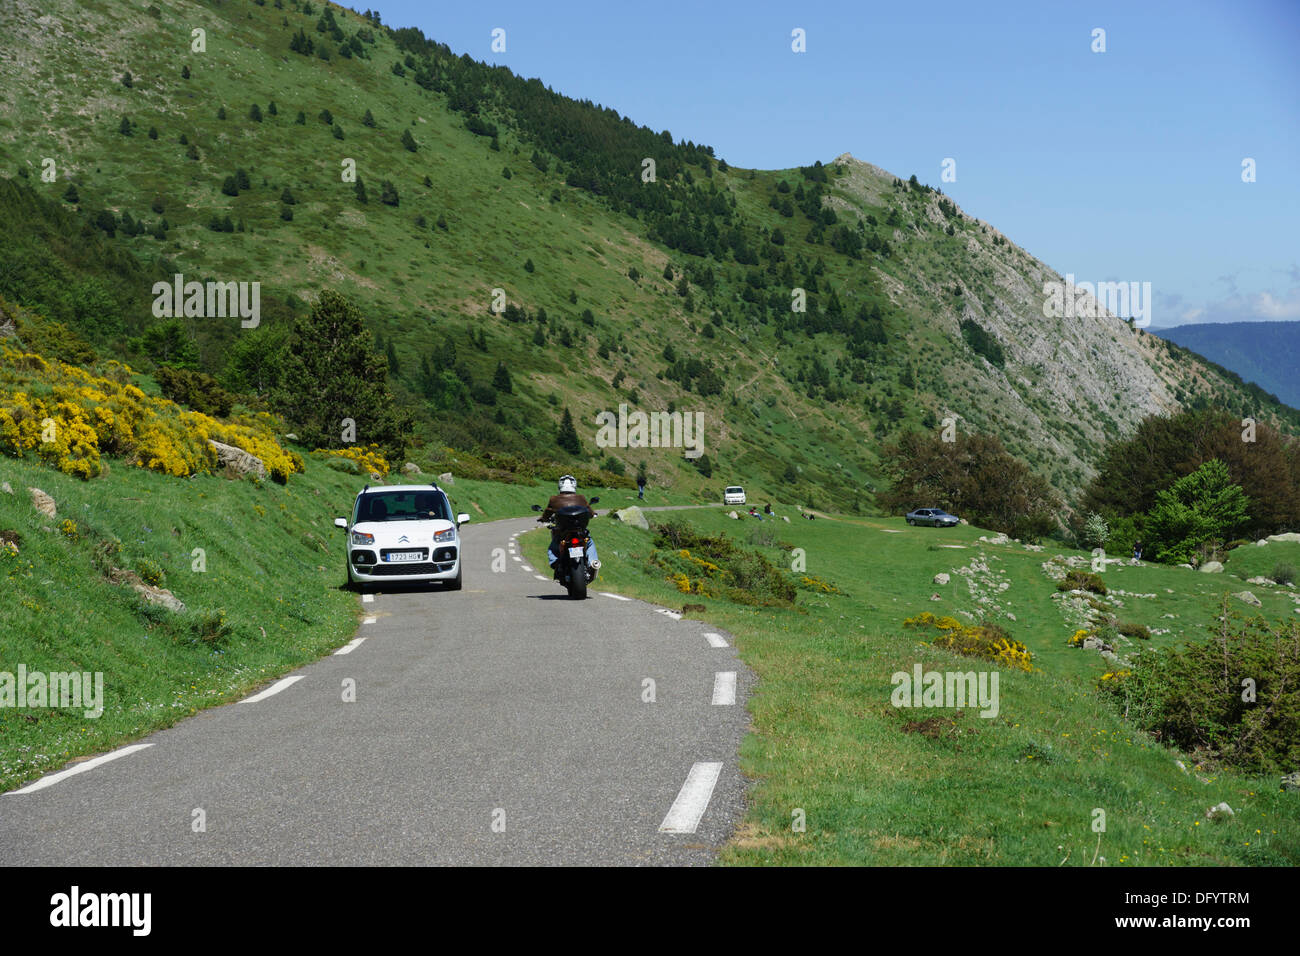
(734, 491)
(403, 506)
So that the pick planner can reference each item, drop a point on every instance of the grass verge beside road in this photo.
(882, 785)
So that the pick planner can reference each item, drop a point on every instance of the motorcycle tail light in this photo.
(577, 541)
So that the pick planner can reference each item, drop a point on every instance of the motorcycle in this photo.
(569, 536)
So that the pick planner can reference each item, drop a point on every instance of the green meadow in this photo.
(881, 785)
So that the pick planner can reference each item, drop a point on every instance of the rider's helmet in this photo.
(568, 484)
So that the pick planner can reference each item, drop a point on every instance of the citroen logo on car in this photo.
(403, 540)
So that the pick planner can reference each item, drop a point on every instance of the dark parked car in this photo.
(934, 517)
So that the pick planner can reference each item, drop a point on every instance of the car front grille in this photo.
(411, 567)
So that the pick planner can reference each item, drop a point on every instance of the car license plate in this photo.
(395, 556)
(575, 552)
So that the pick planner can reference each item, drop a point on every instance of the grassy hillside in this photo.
(883, 785)
(505, 175)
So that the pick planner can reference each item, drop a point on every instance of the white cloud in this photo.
(1174, 309)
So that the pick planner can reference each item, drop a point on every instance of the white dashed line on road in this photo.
(693, 799)
(516, 557)
(724, 687)
(673, 614)
(540, 577)
(349, 647)
(273, 689)
(616, 597)
(715, 640)
(369, 620)
(79, 768)
(367, 599)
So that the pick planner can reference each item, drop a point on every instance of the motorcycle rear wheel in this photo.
(578, 584)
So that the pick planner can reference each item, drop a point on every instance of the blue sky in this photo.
(1123, 165)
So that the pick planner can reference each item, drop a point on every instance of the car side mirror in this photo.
(341, 523)
(593, 501)
(537, 507)
(461, 519)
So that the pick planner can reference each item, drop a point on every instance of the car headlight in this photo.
(360, 537)
(442, 537)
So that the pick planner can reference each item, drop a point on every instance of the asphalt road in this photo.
(502, 724)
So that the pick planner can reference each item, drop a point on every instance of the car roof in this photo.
(385, 488)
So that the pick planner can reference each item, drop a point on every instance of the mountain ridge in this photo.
(803, 399)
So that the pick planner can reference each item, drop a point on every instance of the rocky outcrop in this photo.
(237, 460)
(151, 593)
(633, 516)
(43, 503)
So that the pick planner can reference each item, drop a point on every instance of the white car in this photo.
(403, 533)
(735, 495)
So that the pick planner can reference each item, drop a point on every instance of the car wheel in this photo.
(455, 583)
(910, 521)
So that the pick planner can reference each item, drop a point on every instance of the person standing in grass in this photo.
(640, 482)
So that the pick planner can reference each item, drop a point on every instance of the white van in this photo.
(735, 495)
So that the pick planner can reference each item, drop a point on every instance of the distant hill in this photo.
(1266, 353)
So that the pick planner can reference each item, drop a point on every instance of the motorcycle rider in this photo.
(567, 496)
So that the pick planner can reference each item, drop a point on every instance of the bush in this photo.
(358, 459)
(713, 566)
(150, 572)
(1077, 580)
(1283, 573)
(1095, 532)
(1191, 697)
(1132, 629)
(987, 641)
(198, 390)
(94, 415)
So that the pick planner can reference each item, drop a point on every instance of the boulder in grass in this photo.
(6, 488)
(446, 479)
(1291, 782)
(1292, 536)
(941, 578)
(633, 516)
(43, 502)
(411, 468)
(1220, 811)
(151, 594)
(1248, 598)
(1211, 567)
(733, 516)
(237, 460)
